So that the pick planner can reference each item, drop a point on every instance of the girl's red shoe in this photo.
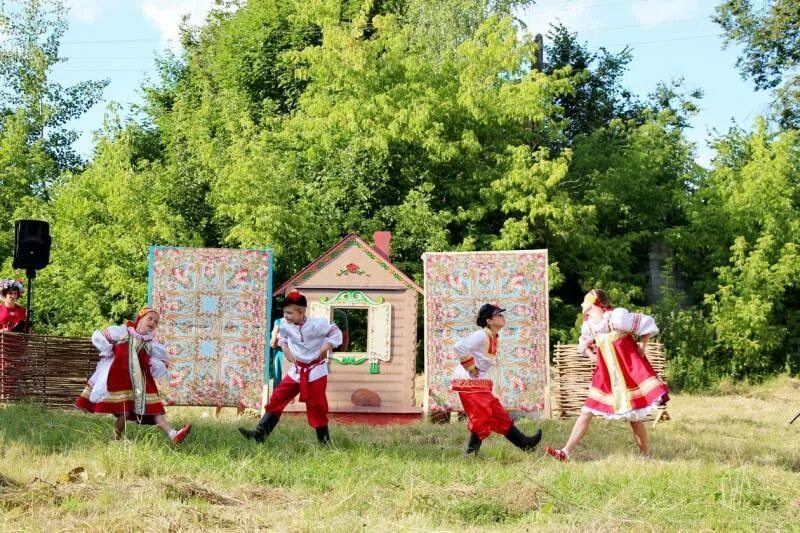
(181, 434)
(561, 455)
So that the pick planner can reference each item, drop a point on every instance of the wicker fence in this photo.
(572, 374)
(47, 370)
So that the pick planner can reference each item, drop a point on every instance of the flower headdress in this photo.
(8, 284)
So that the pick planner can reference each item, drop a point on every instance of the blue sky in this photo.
(671, 39)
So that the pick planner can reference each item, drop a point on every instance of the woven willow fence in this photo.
(572, 375)
(47, 370)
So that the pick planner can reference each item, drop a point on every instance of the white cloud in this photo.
(166, 15)
(661, 11)
(89, 10)
(575, 15)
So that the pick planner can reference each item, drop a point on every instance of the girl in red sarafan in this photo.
(477, 353)
(624, 385)
(12, 316)
(123, 384)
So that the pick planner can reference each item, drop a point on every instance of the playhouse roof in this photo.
(351, 240)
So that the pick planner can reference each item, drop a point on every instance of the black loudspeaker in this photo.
(31, 244)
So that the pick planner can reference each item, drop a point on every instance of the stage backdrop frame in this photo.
(215, 306)
(456, 285)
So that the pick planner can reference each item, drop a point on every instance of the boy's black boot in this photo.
(263, 428)
(473, 444)
(521, 441)
(323, 436)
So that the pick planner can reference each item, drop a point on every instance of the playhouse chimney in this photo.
(383, 243)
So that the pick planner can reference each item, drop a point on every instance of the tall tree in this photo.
(104, 221)
(743, 225)
(35, 142)
(770, 36)
(33, 31)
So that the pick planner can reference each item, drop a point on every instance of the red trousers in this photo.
(485, 413)
(316, 401)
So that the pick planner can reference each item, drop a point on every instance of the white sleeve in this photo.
(637, 323)
(586, 337)
(158, 351)
(282, 337)
(104, 339)
(467, 345)
(158, 360)
(333, 335)
(158, 368)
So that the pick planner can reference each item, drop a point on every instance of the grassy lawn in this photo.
(722, 463)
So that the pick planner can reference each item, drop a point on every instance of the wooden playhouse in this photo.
(356, 286)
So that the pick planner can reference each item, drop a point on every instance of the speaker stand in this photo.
(30, 273)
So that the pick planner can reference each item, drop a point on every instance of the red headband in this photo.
(142, 312)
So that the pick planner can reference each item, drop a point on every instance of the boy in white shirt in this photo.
(485, 413)
(305, 342)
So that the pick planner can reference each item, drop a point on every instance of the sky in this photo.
(670, 39)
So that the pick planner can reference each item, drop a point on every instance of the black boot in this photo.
(323, 436)
(263, 428)
(521, 441)
(473, 444)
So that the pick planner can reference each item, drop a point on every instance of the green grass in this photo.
(722, 463)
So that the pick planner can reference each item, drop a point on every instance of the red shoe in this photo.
(181, 434)
(561, 455)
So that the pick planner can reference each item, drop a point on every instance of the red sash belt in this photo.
(304, 369)
(471, 385)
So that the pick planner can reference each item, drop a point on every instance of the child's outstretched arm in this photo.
(586, 343)
(333, 338)
(273, 341)
(159, 361)
(104, 339)
(464, 348)
(639, 324)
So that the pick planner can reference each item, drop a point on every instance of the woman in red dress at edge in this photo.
(123, 384)
(624, 385)
(12, 316)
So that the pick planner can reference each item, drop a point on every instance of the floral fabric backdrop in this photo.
(214, 306)
(456, 285)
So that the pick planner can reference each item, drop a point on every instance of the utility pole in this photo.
(539, 40)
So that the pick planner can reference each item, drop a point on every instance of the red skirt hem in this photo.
(117, 408)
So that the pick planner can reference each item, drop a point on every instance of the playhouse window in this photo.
(353, 322)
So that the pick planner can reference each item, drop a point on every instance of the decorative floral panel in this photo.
(456, 285)
(214, 306)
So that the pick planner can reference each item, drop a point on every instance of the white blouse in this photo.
(619, 319)
(105, 339)
(476, 344)
(305, 341)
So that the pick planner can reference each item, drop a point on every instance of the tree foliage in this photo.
(35, 142)
(743, 226)
(28, 53)
(288, 123)
(770, 35)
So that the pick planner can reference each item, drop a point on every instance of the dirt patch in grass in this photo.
(187, 490)
(41, 493)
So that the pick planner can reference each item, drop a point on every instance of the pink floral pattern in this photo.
(214, 322)
(456, 285)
